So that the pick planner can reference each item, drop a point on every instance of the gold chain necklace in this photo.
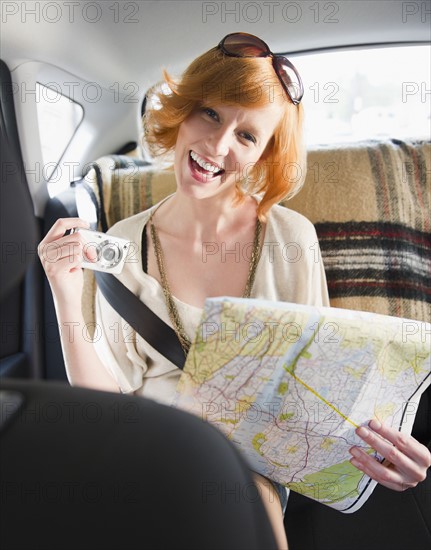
(170, 303)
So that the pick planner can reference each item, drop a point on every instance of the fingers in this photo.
(55, 244)
(62, 256)
(383, 474)
(61, 226)
(90, 251)
(406, 462)
(405, 443)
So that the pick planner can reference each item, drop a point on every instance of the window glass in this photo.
(58, 118)
(373, 93)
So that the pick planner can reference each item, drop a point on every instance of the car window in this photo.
(364, 94)
(58, 117)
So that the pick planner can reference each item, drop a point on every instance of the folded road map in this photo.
(289, 384)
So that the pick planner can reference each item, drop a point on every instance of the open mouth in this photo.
(201, 166)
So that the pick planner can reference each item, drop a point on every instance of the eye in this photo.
(248, 137)
(211, 113)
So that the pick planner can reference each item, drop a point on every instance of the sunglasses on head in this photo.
(241, 44)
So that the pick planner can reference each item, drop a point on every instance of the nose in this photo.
(219, 142)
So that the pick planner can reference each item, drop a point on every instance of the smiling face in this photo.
(216, 147)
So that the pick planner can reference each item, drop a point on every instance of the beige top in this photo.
(290, 269)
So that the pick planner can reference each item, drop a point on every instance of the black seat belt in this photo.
(140, 317)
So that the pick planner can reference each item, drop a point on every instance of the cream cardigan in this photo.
(290, 269)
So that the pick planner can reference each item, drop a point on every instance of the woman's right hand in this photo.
(61, 256)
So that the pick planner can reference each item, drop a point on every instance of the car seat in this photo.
(20, 275)
(83, 469)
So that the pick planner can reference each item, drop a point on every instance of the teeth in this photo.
(205, 165)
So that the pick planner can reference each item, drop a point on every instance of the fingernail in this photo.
(362, 432)
(355, 452)
(375, 424)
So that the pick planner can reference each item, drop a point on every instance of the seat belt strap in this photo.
(141, 318)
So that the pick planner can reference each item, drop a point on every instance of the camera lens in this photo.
(110, 254)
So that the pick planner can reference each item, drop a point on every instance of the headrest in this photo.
(117, 186)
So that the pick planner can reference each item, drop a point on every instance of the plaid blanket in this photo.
(371, 206)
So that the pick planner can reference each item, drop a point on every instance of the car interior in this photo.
(76, 79)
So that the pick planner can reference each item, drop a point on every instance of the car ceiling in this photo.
(123, 42)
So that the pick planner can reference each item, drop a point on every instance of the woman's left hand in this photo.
(406, 462)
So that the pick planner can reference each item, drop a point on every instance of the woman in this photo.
(234, 122)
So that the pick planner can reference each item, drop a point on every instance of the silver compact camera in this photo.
(111, 251)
